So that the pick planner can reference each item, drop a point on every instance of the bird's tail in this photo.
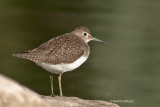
(21, 55)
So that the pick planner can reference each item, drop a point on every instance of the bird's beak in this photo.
(95, 39)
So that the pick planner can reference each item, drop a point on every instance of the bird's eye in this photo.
(85, 34)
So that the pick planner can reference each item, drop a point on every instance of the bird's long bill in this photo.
(95, 39)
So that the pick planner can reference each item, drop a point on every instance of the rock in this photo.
(12, 94)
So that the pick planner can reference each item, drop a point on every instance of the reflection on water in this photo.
(127, 68)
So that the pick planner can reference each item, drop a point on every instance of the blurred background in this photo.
(127, 68)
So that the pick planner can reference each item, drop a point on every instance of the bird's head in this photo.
(85, 34)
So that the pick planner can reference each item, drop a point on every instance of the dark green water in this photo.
(128, 68)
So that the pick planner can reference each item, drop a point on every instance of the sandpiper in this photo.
(61, 54)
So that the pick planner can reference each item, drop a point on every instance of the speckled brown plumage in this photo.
(62, 54)
(62, 49)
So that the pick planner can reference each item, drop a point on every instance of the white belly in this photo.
(57, 69)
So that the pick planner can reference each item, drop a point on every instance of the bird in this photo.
(62, 53)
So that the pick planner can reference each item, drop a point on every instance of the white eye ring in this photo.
(85, 34)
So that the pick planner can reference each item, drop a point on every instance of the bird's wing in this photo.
(63, 49)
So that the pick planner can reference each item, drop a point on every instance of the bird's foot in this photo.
(52, 95)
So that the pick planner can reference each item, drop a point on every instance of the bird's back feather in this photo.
(62, 49)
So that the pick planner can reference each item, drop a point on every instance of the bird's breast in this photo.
(63, 67)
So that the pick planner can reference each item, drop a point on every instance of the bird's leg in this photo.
(60, 88)
(51, 81)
